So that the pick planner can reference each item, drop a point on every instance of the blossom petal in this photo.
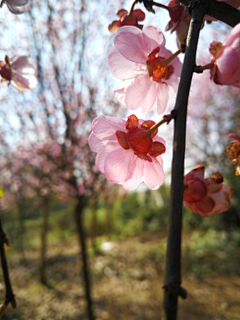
(131, 47)
(116, 167)
(137, 91)
(136, 167)
(153, 38)
(162, 97)
(104, 152)
(150, 98)
(108, 125)
(121, 68)
(153, 174)
(205, 206)
(222, 199)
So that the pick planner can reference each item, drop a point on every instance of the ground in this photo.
(127, 284)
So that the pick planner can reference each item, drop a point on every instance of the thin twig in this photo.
(172, 287)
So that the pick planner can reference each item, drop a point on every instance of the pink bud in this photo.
(15, 6)
(20, 72)
(206, 196)
(225, 68)
(126, 19)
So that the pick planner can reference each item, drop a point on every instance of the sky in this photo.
(14, 39)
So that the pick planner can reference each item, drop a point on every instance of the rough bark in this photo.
(82, 242)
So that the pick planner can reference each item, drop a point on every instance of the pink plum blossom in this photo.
(19, 71)
(180, 20)
(15, 6)
(128, 152)
(206, 196)
(225, 66)
(126, 19)
(148, 69)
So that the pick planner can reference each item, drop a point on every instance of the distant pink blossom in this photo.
(126, 19)
(225, 66)
(206, 196)
(180, 20)
(233, 150)
(15, 6)
(234, 136)
(148, 69)
(127, 151)
(19, 71)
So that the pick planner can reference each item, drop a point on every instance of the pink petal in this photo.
(116, 167)
(173, 82)
(235, 33)
(19, 61)
(196, 173)
(234, 136)
(94, 142)
(100, 160)
(136, 167)
(153, 37)
(137, 91)
(122, 68)
(104, 152)
(228, 71)
(97, 141)
(24, 82)
(120, 93)
(153, 174)
(162, 97)
(177, 64)
(129, 42)
(150, 98)
(205, 206)
(17, 3)
(221, 199)
(108, 125)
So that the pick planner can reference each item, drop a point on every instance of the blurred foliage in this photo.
(210, 243)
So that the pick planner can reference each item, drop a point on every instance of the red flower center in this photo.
(158, 67)
(140, 139)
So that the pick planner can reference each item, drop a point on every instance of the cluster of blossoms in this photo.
(129, 151)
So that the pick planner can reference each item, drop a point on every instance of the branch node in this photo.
(175, 291)
(174, 113)
(198, 69)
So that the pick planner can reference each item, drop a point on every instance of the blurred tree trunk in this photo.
(94, 226)
(85, 269)
(21, 230)
(109, 220)
(45, 215)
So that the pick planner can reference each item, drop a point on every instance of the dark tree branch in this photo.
(82, 241)
(218, 10)
(173, 263)
(9, 293)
